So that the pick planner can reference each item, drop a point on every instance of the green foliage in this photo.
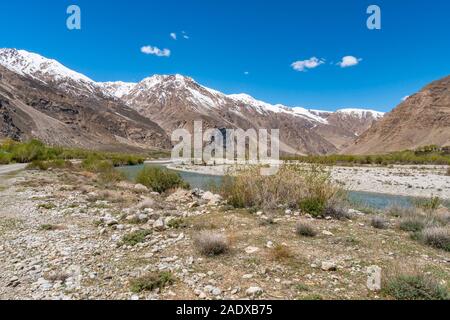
(135, 237)
(424, 155)
(313, 206)
(429, 204)
(34, 150)
(415, 287)
(152, 281)
(160, 180)
(178, 223)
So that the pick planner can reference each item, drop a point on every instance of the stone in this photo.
(251, 250)
(374, 278)
(328, 266)
(140, 187)
(216, 292)
(159, 224)
(288, 212)
(269, 244)
(247, 276)
(211, 198)
(327, 233)
(254, 292)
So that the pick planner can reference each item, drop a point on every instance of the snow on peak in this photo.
(117, 89)
(361, 113)
(36, 66)
(262, 107)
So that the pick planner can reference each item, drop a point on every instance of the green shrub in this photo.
(5, 158)
(152, 281)
(178, 223)
(413, 223)
(160, 180)
(415, 287)
(135, 237)
(429, 204)
(313, 206)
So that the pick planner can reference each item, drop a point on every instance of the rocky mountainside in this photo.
(42, 98)
(422, 119)
(176, 101)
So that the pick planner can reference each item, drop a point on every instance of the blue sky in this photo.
(228, 38)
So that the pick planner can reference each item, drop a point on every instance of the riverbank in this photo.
(64, 235)
(405, 180)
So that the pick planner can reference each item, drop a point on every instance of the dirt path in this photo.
(5, 169)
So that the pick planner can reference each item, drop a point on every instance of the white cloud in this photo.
(173, 35)
(246, 73)
(303, 65)
(405, 98)
(155, 51)
(185, 35)
(349, 61)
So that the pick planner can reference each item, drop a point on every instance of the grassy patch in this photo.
(178, 223)
(152, 281)
(135, 237)
(414, 287)
(47, 206)
(280, 253)
(160, 180)
(49, 227)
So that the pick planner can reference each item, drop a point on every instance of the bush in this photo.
(292, 186)
(160, 180)
(281, 252)
(429, 204)
(209, 243)
(413, 223)
(399, 211)
(437, 237)
(135, 237)
(379, 222)
(312, 206)
(305, 230)
(337, 210)
(415, 287)
(151, 281)
(5, 158)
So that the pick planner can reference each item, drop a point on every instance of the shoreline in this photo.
(423, 181)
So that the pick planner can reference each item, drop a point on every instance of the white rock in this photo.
(159, 224)
(328, 266)
(327, 233)
(251, 250)
(254, 291)
(140, 187)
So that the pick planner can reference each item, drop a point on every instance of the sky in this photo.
(284, 51)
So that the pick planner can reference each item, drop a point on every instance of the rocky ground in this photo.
(62, 237)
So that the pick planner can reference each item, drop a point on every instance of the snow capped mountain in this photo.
(174, 101)
(48, 71)
(361, 113)
(117, 89)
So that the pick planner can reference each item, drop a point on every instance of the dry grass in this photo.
(437, 237)
(305, 229)
(289, 187)
(211, 243)
(280, 253)
(379, 222)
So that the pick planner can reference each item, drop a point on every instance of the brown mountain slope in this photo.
(30, 108)
(421, 120)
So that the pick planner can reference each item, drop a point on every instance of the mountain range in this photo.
(41, 98)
